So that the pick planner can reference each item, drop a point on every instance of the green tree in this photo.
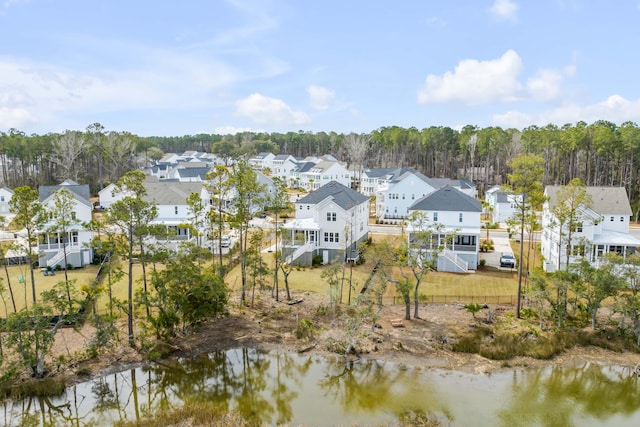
(219, 186)
(568, 210)
(593, 285)
(30, 216)
(528, 196)
(278, 202)
(423, 249)
(131, 215)
(249, 195)
(628, 301)
(62, 220)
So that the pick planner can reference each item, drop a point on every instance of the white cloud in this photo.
(545, 86)
(320, 98)
(504, 9)
(476, 82)
(265, 110)
(615, 109)
(232, 130)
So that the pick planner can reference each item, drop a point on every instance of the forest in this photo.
(600, 154)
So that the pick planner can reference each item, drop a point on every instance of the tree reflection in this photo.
(554, 396)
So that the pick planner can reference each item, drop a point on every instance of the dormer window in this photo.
(176, 210)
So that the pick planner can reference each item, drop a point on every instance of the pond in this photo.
(271, 388)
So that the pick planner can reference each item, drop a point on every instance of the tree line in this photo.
(601, 153)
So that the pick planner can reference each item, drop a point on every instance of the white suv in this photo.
(507, 260)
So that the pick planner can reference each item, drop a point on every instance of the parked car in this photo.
(225, 241)
(507, 260)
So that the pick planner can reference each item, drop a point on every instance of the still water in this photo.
(271, 388)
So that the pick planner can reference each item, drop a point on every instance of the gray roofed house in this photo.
(331, 222)
(343, 196)
(449, 199)
(458, 216)
(170, 193)
(602, 227)
(80, 191)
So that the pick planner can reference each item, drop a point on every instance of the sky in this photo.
(168, 68)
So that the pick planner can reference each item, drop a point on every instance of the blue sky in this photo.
(181, 68)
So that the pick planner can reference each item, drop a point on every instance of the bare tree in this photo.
(65, 150)
(356, 147)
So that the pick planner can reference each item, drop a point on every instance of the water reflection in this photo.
(271, 388)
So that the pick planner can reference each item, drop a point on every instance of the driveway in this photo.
(500, 244)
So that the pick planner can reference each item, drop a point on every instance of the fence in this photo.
(452, 299)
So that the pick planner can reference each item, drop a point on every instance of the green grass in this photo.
(442, 284)
(20, 279)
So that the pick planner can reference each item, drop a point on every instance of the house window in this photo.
(331, 216)
(611, 219)
(1, 198)
(300, 207)
(413, 196)
(460, 217)
(577, 227)
(435, 216)
(307, 207)
(332, 237)
(621, 219)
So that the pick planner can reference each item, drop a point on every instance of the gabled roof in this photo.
(449, 199)
(343, 196)
(282, 157)
(79, 190)
(324, 165)
(262, 155)
(304, 167)
(170, 192)
(604, 200)
(378, 172)
(193, 172)
(397, 175)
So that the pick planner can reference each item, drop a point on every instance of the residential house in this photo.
(331, 222)
(261, 160)
(5, 197)
(602, 227)
(53, 247)
(282, 165)
(502, 205)
(369, 181)
(170, 200)
(323, 172)
(398, 190)
(457, 216)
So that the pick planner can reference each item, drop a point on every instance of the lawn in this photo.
(457, 286)
(20, 279)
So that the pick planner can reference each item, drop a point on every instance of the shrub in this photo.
(316, 260)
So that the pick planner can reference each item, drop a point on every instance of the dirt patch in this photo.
(272, 325)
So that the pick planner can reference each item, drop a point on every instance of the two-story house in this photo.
(331, 222)
(73, 245)
(601, 227)
(282, 165)
(398, 190)
(457, 217)
(502, 205)
(261, 160)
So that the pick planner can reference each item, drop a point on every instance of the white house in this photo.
(170, 200)
(458, 217)
(282, 165)
(5, 196)
(603, 227)
(330, 222)
(261, 160)
(370, 178)
(398, 190)
(503, 205)
(312, 177)
(73, 248)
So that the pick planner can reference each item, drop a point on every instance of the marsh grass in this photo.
(497, 344)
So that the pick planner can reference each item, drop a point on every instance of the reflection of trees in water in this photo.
(552, 396)
(370, 386)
